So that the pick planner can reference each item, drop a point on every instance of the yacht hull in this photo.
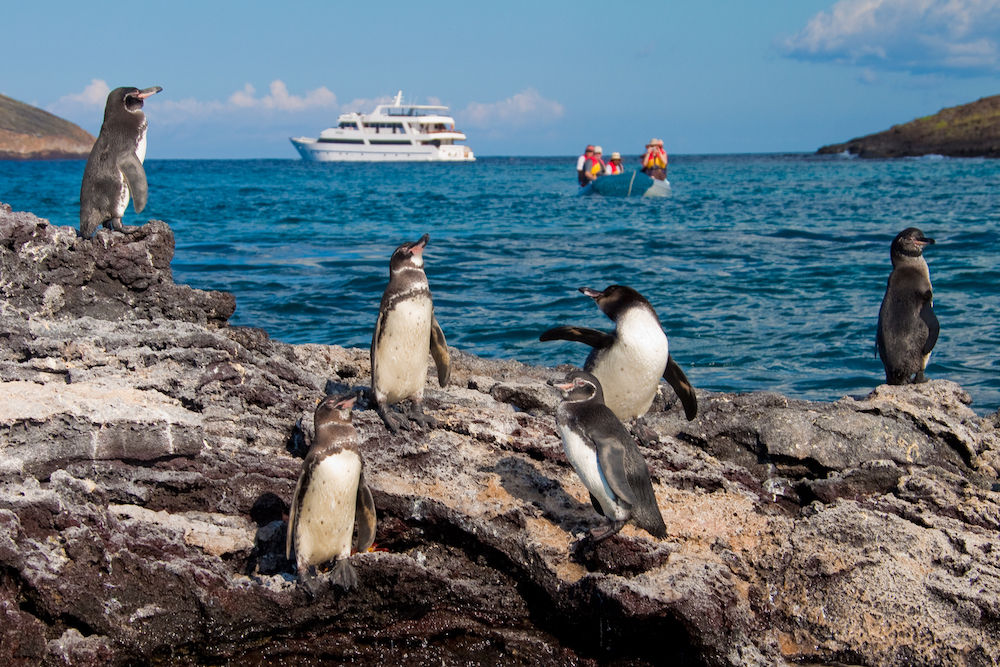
(319, 151)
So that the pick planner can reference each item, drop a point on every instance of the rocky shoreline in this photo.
(149, 451)
(967, 130)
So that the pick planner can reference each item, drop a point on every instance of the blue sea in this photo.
(767, 270)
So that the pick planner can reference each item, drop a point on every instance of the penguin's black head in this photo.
(335, 409)
(127, 99)
(409, 254)
(580, 386)
(908, 243)
(615, 299)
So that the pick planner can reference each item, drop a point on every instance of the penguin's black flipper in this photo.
(645, 511)
(439, 351)
(931, 320)
(376, 339)
(591, 337)
(611, 454)
(135, 177)
(293, 512)
(676, 378)
(364, 516)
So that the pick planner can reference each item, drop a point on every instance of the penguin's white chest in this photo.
(124, 194)
(402, 350)
(123, 197)
(326, 516)
(584, 460)
(140, 146)
(630, 370)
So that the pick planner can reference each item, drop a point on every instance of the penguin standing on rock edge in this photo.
(114, 168)
(331, 499)
(907, 326)
(405, 332)
(630, 361)
(606, 458)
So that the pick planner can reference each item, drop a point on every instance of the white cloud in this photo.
(525, 108)
(916, 36)
(280, 99)
(95, 94)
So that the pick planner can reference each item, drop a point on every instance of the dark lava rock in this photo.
(968, 130)
(148, 452)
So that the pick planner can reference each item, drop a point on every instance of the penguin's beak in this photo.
(146, 92)
(925, 241)
(592, 293)
(340, 402)
(561, 386)
(418, 246)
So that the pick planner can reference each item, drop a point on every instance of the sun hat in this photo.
(616, 156)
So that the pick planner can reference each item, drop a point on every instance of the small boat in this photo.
(393, 132)
(631, 184)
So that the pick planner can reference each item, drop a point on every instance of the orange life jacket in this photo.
(655, 157)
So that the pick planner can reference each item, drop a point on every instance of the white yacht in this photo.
(394, 132)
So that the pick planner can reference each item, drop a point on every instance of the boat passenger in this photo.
(580, 161)
(654, 160)
(594, 166)
(614, 165)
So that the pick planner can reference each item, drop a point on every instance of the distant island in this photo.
(968, 130)
(29, 133)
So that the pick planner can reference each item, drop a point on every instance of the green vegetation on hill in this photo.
(969, 130)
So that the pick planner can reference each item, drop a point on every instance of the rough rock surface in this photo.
(148, 452)
(968, 130)
(30, 133)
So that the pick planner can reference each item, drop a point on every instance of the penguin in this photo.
(907, 326)
(114, 168)
(630, 361)
(405, 332)
(606, 458)
(331, 498)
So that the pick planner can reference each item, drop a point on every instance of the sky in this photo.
(520, 77)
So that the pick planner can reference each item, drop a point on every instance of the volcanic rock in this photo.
(968, 130)
(149, 450)
(29, 133)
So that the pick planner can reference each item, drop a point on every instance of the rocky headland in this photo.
(149, 450)
(30, 133)
(968, 130)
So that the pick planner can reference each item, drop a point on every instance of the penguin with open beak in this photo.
(405, 333)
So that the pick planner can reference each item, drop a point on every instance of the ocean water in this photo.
(767, 270)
